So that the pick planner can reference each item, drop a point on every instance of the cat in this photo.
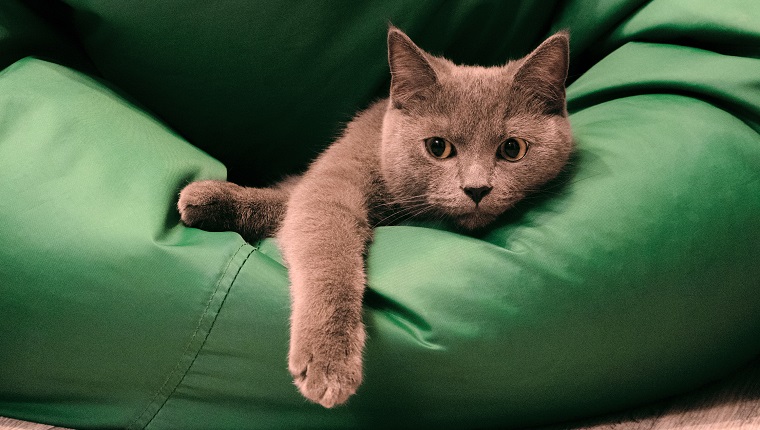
(452, 142)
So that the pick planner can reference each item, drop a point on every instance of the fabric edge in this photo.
(198, 338)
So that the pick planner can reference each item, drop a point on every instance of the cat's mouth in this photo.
(471, 216)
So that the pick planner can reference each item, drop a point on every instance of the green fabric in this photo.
(100, 286)
(632, 278)
(24, 32)
(266, 85)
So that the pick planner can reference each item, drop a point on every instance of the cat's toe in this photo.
(327, 380)
(200, 193)
(192, 215)
(328, 384)
(201, 203)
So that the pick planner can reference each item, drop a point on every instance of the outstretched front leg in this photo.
(323, 237)
(254, 213)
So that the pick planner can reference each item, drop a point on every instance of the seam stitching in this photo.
(194, 345)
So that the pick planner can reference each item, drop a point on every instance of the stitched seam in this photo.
(198, 337)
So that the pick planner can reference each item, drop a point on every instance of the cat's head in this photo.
(465, 143)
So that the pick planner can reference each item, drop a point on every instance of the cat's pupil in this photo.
(438, 146)
(511, 148)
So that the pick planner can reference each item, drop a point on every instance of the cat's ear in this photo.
(412, 75)
(541, 77)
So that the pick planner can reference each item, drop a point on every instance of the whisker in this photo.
(405, 213)
(394, 218)
(410, 199)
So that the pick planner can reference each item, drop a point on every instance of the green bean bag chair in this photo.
(633, 277)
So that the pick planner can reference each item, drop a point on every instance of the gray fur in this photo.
(380, 171)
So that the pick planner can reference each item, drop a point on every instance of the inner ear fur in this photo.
(541, 77)
(412, 75)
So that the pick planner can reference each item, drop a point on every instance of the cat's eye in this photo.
(439, 147)
(512, 149)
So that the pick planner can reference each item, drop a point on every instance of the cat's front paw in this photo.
(327, 370)
(207, 204)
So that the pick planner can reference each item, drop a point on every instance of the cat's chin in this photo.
(474, 220)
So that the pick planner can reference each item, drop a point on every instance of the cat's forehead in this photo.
(476, 80)
(472, 100)
(473, 91)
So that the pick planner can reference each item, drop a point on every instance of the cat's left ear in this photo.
(542, 75)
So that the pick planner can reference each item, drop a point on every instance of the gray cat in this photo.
(459, 143)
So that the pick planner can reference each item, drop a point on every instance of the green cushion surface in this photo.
(632, 278)
(266, 85)
(24, 32)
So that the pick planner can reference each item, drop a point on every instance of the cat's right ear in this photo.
(412, 75)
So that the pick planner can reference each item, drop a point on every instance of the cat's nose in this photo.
(477, 194)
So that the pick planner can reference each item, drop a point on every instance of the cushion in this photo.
(29, 28)
(631, 278)
(264, 86)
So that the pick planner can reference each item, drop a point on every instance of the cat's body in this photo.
(456, 143)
